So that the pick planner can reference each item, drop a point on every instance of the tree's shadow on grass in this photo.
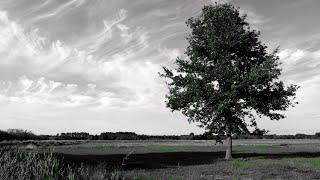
(165, 160)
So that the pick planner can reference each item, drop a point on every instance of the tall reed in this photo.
(21, 165)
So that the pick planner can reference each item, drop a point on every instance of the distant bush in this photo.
(259, 132)
(6, 136)
(118, 136)
(18, 134)
(74, 136)
(303, 136)
(22, 134)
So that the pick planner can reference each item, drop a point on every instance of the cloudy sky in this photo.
(83, 65)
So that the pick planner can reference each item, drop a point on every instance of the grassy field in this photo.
(140, 147)
(253, 159)
(243, 168)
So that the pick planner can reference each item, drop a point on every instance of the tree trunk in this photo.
(228, 147)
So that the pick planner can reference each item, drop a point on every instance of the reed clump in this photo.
(23, 165)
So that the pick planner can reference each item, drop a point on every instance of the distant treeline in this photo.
(19, 134)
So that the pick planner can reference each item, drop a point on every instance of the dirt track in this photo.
(165, 160)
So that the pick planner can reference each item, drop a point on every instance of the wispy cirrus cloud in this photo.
(115, 71)
(95, 42)
(58, 11)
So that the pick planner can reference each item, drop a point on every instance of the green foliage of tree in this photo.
(228, 75)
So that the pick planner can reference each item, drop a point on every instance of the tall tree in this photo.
(228, 78)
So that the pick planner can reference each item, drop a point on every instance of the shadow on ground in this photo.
(165, 160)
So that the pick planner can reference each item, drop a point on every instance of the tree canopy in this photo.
(228, 78)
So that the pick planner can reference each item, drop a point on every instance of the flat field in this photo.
(194, 159)
(107, 147)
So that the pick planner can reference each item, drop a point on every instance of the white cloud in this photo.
(292, 57)
(171, 54)
(254, 18)
(43, 92)
(64, 8)
(125, 78)
(20, 47)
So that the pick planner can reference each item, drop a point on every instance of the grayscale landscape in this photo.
(159, 89)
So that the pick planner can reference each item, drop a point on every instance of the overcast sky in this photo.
(92, 65)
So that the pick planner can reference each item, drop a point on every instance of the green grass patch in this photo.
(259, 161)
(154, 148)
(87, 150)
(246, 162)
(313, 162)
(255, 148)
(164, 148)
